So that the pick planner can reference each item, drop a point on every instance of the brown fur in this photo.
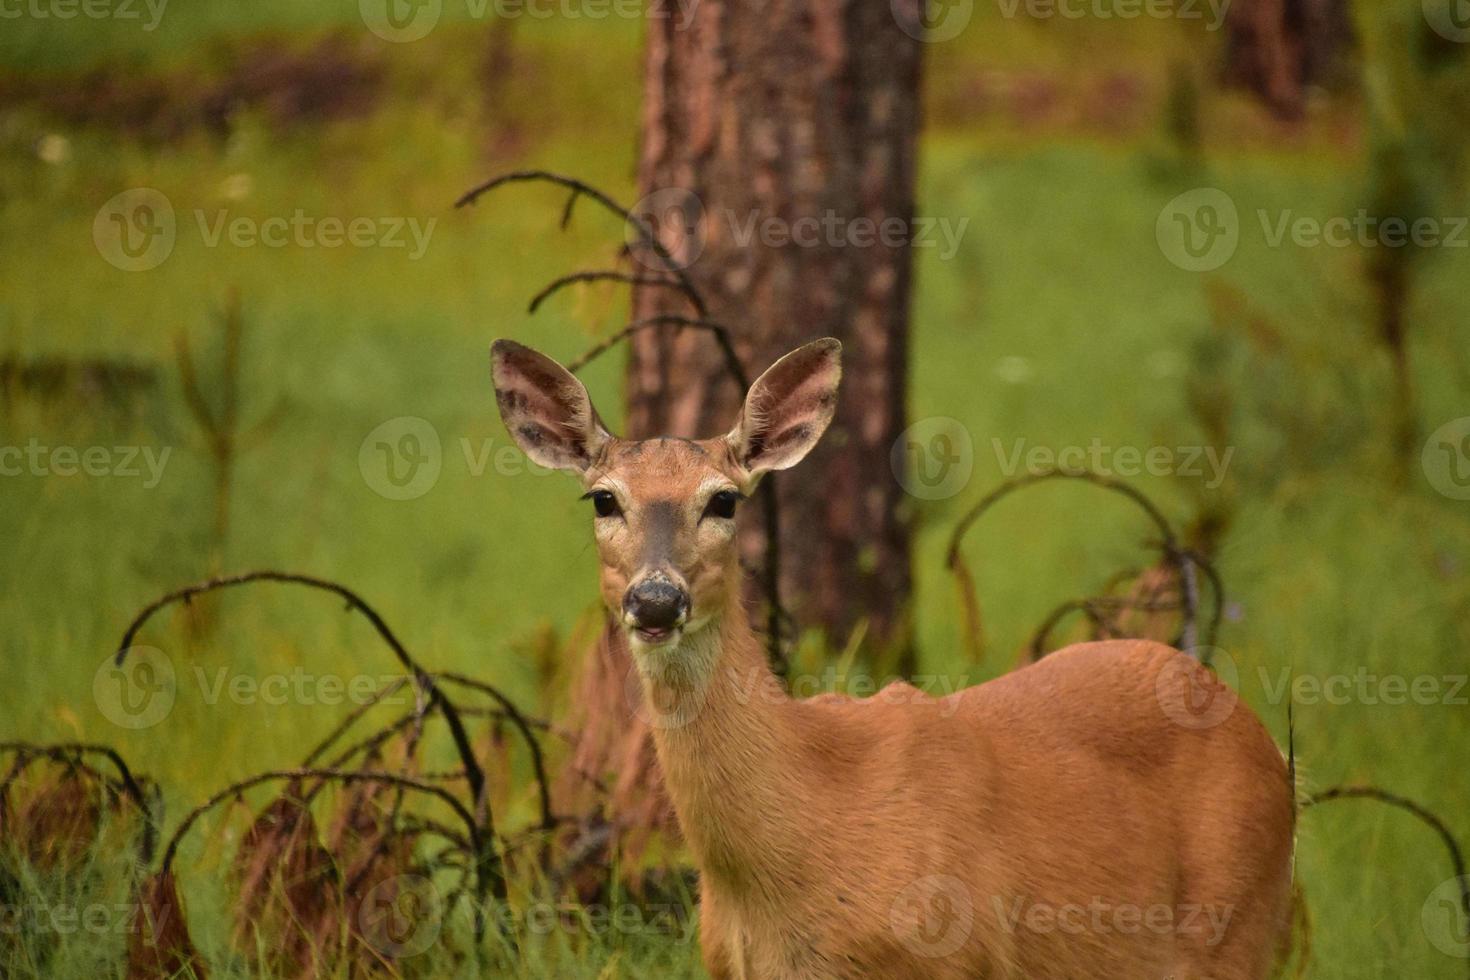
(1087, 816)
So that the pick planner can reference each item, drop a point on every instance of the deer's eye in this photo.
(722, 504)
(604, 503)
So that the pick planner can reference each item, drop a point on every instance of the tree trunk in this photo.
(786, 129)
(1278, 48)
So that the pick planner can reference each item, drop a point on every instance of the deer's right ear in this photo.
(545, 408)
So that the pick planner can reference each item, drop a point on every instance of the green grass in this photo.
(1332, 563)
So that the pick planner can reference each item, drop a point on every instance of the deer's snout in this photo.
(655, 606)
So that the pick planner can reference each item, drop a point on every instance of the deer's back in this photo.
(1057, 816)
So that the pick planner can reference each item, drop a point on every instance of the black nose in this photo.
(656, 604)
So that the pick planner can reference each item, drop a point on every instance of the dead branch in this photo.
(596, 275)
(1182, 559)
(533, 745)
(69, 751)
(1422, 813)
(579, 189)
(422, 678)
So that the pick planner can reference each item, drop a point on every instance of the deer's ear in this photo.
(788, 408)
(545, 408)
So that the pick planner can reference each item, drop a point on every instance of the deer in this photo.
(1110, 811)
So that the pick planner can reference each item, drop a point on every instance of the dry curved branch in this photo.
(721, 332)
(596, 275)
(489, 870)
(1181, 559)
(422, 678)
(132, 786)
(1422, 813)
(533, 745)
(580, 189)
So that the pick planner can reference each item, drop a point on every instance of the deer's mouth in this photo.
(656, 635)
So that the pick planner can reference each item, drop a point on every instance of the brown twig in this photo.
(68, 751)
(489, 875)
(580, 189)
(1181, 559)
(474, 774)
(533, 745)
(1422, 813)
(596, 275)
(721, 333)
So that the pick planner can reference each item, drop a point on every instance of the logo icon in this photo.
(933, 916)
(1446, 459)
(400, 21)
(1445, 917)
(401, 916)
(932, 20)
(401, 458)
(136, 230)
(1195, 696)
(139, 692)
(933, 458)
(673, 217)
(1450, 19)
(1198, 230)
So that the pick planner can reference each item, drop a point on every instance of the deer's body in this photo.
(1075, 819)
(1043, 825)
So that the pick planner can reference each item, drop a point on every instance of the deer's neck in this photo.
(725, 731)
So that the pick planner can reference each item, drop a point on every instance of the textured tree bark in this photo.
(1278, 48)
(790, 125)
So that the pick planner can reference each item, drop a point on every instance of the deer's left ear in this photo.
(788, 408)
(545, 408)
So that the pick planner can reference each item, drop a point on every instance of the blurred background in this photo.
(1216, 250)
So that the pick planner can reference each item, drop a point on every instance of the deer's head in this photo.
(664, 510)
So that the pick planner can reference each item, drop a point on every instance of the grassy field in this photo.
(1059, 321)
